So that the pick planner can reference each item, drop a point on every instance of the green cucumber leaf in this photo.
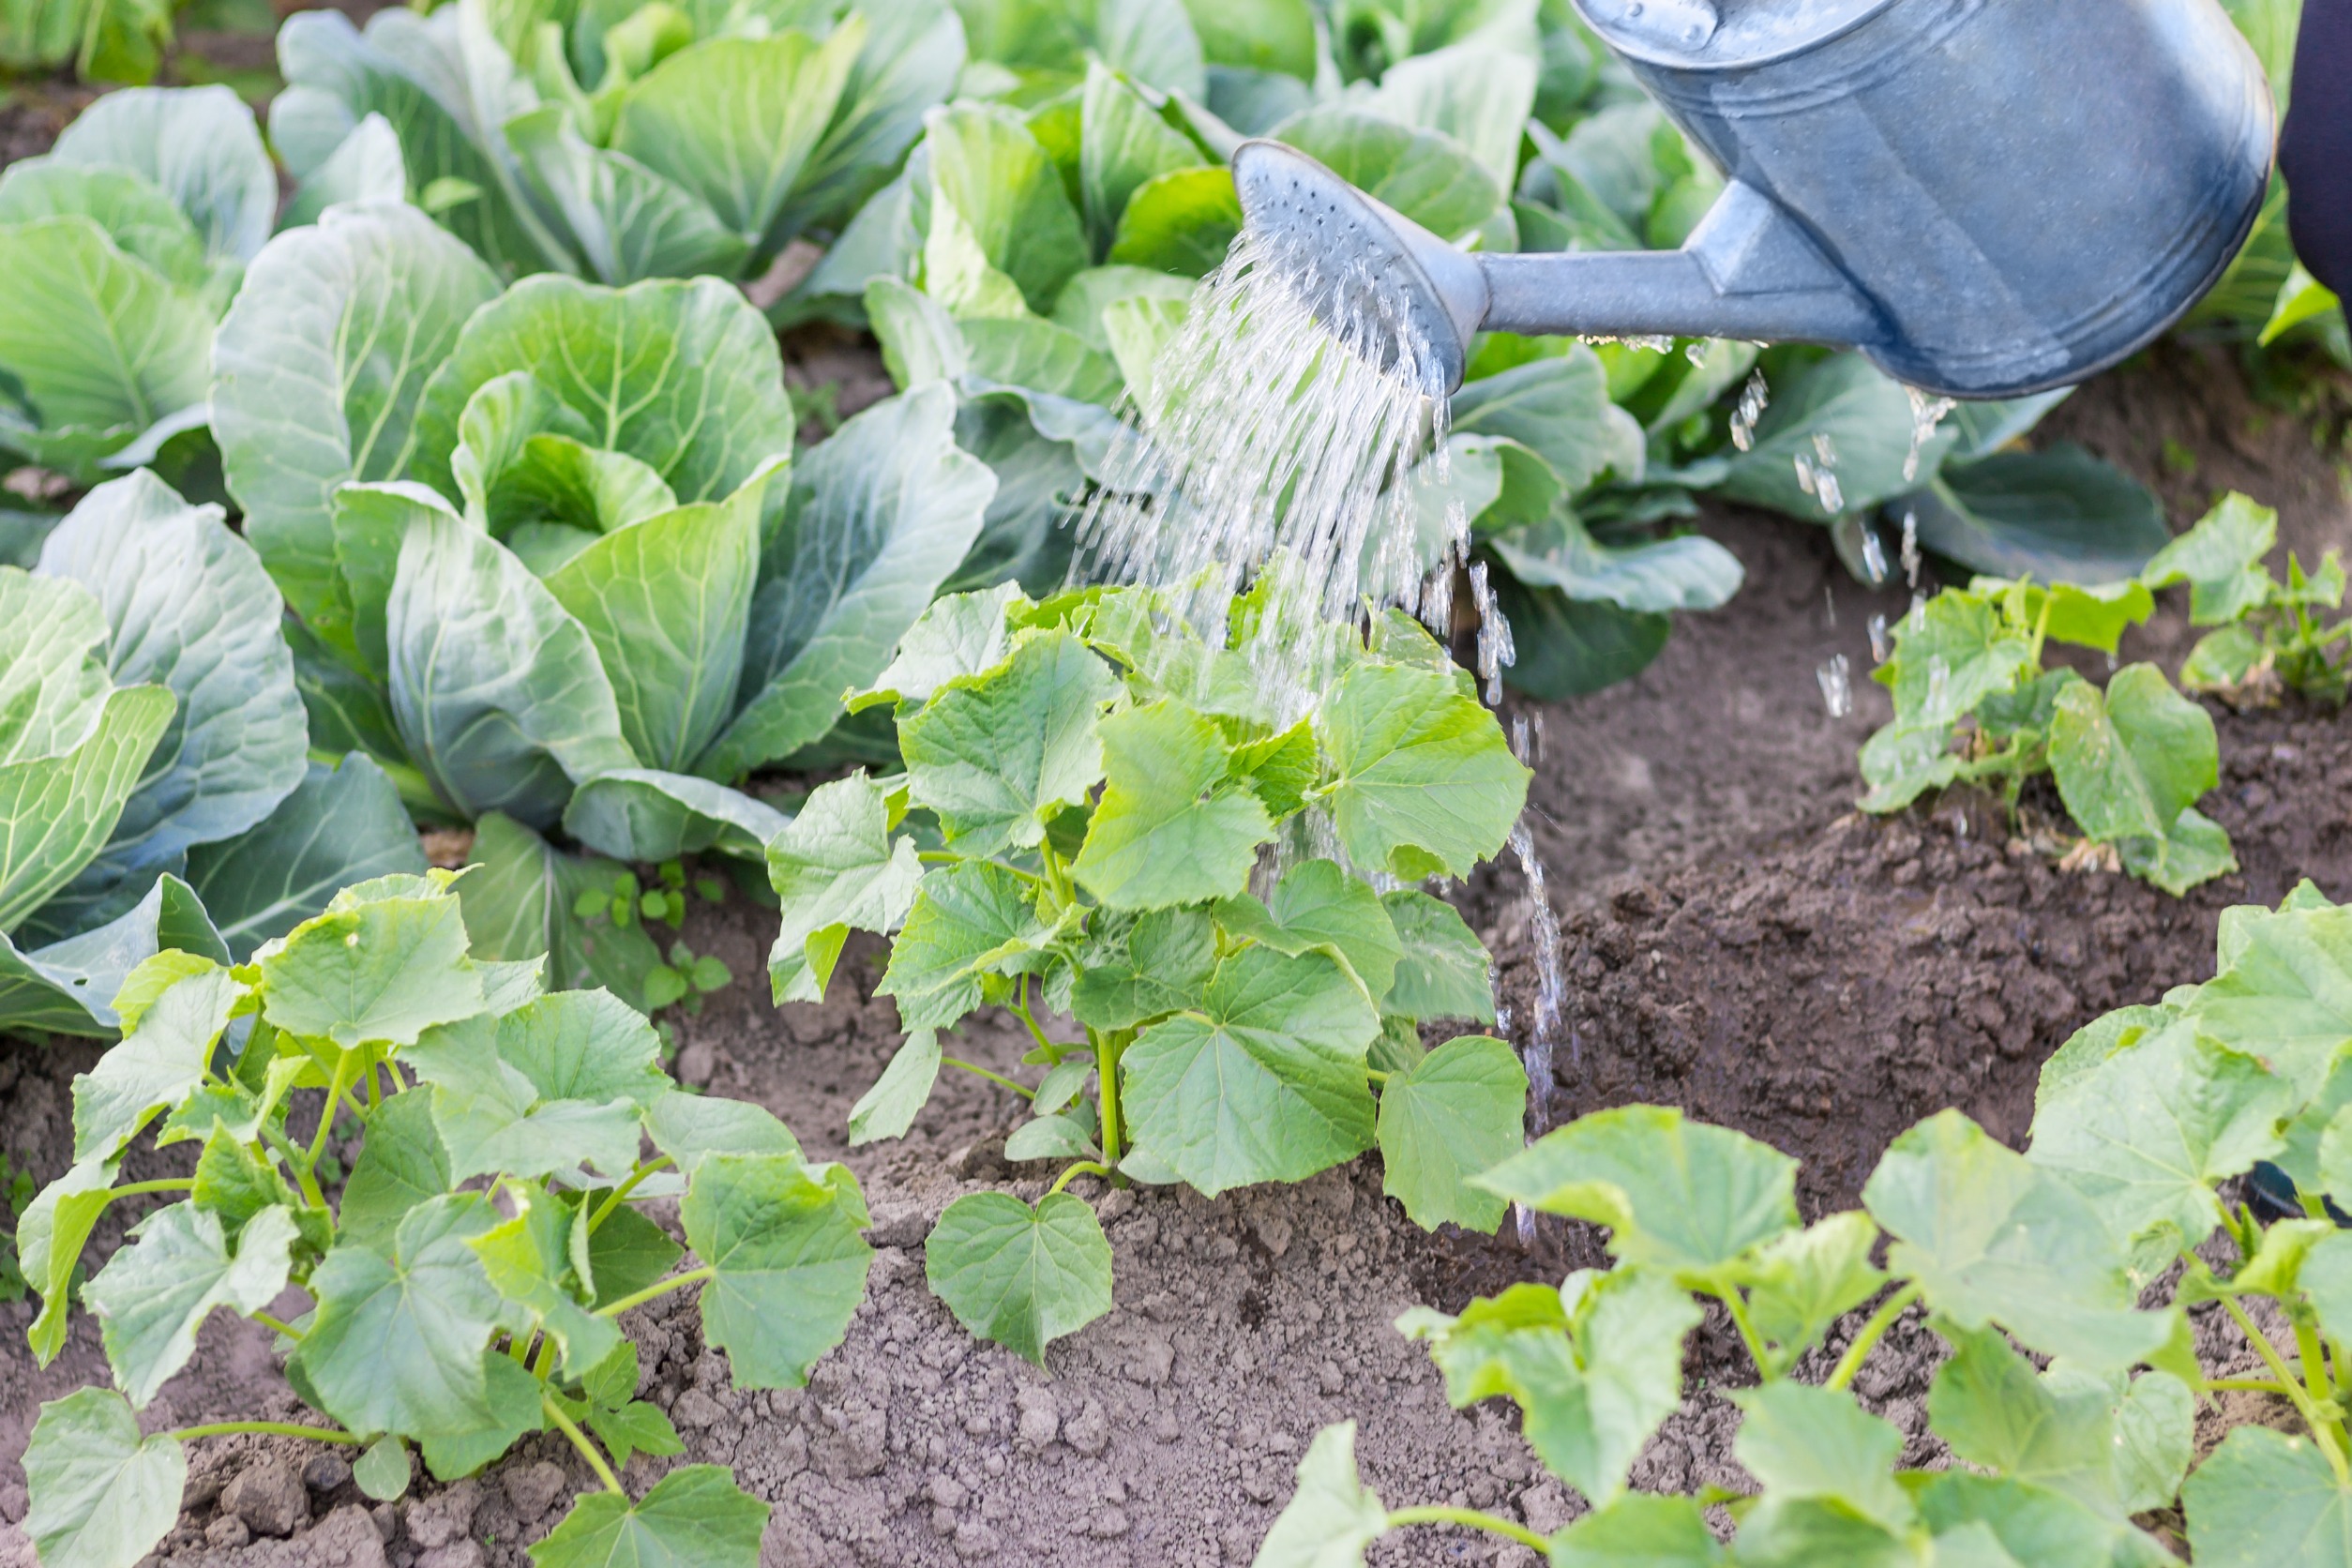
(401, 1163)
(1593, 1367)
(971, 921)
(1023, 1277)
(399, 1340)
(1421, 779)
(695, 1517)
(2149, 1132)
(157, 1291)
(890, 1107)
(1456, 1113)
(834, 870)
(1333, 1518)
(1445, 972)
(1139, 968)
(103, 1495)
(1173, 826)
(1677, 1195)
(782, 1238)
(1993, 1238)
(379, 972)
(1263, 1080)
(997, 755)
(2265, 1500)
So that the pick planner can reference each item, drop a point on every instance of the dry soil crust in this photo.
(1735, 942)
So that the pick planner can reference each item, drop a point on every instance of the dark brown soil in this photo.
(1736, 941)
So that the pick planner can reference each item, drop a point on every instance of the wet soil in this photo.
(1735, 940)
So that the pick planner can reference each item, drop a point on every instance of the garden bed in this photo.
(1736, 941)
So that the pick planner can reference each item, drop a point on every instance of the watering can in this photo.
(1987, 197)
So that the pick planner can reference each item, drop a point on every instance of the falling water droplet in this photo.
(1926, 413)
(1805, 481)
(1832, 496)
(1917, 619)
(1829, 606)
(1753, 399)
(1837, 691)
(1938, 685)
(1873, 556)
(1910, 549)
(1879, 649)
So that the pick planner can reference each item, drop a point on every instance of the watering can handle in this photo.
(1748, 271)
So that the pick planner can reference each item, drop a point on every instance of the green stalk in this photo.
(1469, 1518)
(137, 1189)
(621, 1193)
(675, 1282)
(336, 1082)
(280, 1325)
(1737, 1306)
(1083, 1168)
(1107, 1078)
(2321, 1430)
(270, 1428)
(1000, 1078)
(2314, 1362)
(587, 1449)
(1867, 1340)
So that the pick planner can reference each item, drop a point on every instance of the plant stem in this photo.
(135, 1189)
(1020, 1006)
(285, 1150)
(2320, 1431)
(675, 1282)
(1057, 877)
(620, 1194)
(1469, 1518)
(1738, 1306)
(1083, 1168)
(2314, 1362)
(992, 1077)
(1867, 1340)
(1107, 1078)
(587, 1449)
(2254, 1385)
(277, 1325)
(271, 1429)
(375, 1087)
(336, 1083)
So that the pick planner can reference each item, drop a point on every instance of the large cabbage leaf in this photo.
(877, 518)
(187, 608)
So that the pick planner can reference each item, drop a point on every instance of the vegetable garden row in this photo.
(426, 464)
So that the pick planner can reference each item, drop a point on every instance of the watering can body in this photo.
(1988, 197)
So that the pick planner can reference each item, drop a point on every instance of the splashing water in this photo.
(1551, 988)
(1495, 648)
(1754, 398)
(1275, 451)
(1926, 415)
(1873, 556)
(1837, 691)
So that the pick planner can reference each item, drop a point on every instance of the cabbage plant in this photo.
(552, 560)
(122, 247)
(156, 782)
(623, 143)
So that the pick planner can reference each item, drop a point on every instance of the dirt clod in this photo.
(269, 1496)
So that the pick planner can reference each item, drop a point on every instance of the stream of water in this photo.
(1276, 456)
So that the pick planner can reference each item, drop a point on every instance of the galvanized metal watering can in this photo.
(1988, 197)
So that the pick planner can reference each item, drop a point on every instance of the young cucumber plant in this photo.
(2268, 641)
(464, 1285)
(1973, 703)
(2138, 1120)
(1228, 1040)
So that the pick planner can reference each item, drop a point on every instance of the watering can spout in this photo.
(1747, 272)
(1990, 198)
